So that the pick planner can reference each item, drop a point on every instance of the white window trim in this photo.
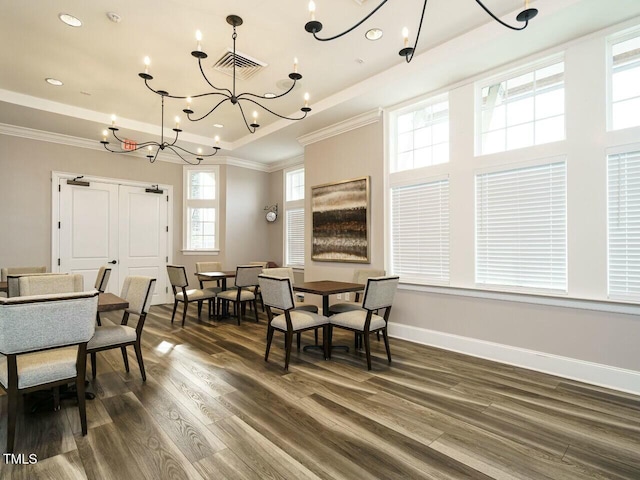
(503, 76)
(611, 40)
(186, 170)
(290, 205)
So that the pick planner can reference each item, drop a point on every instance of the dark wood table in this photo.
(326, 288)
(108, 302)
(217, 276)
(4, 286)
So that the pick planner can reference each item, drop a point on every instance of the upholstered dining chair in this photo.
(246, 282)
(278, 294)
(209, 267)
(257, 289)
(102, 279)
(359, 276)
(50, 284)
(13, 282)
(5, 272)
(179, 283)
(43, 343)
(378, 295)
(138, 291)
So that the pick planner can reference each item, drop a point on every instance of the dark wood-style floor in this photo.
(212, 408)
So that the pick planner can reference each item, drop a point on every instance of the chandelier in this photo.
(153, 148)
(313, 26)
(223, 95)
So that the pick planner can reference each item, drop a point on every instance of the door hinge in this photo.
(58, 225)
(58, 262)
(167, 198)
(166, 289)
(167, 228)
(59, 187)
(167, 260)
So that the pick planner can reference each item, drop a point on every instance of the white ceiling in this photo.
(99, 61)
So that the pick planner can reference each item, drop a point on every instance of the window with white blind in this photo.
(624, 67)
(294, 217)
(420, 135)
(420, 232)
(200, 202)
(521, 228)
(521, 110)
(623, 171)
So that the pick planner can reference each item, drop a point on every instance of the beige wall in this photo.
(600, 337)
(25, 201)
(276, 229)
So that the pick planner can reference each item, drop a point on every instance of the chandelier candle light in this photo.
(230, 95)
(313, 26)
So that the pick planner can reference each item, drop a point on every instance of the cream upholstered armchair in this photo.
(6, 271)
(50, 284)
(246, 282)
(288, 273)
(359, 276)
(138, 291)
(102, 279)
(378, 296)
(43, 341)
(179, 283)
(209, 267)
(278, 294)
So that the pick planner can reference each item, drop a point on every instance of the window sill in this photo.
(201, 252)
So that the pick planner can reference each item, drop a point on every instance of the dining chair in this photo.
(209, 267)
(102, 279)
(278, 294)
(50, 284)
(246, 281)
(6, 271)
(359, 276)
(257, 289)
(13, 282)
(378, 295)
(138, 291)
(179, 283)
(43, 345)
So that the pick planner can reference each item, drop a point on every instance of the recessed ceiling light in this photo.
(269, 95)
(218, 125)
(373, 34)
(70, 20)
(54, 81)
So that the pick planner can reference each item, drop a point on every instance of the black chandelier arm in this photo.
(189, 152)
(244, 117)
(352, 28)
(207, 79)
(272, 112)
(244, 95)
(526, 22)
(173, 149)
(409, 57)
(225, 99)
(139, 145)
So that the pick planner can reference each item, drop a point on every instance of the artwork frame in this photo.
(341, 213)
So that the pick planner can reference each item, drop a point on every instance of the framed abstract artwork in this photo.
(340, 231)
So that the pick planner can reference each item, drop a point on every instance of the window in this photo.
(421, 135)
(420, 232)
(294, 217)
(624, 226)
(521, 227)
(624, 107)
(523, 110)
(200, 208)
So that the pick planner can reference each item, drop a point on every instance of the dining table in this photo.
(220, 276)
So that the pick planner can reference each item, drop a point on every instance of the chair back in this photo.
(13, 282)
(177, 275)
(247, 275)
(208, 267)
(102, 280)
(276, 292)
(361, 275)
(138, 291)
(50, 284)
(379, 292)
(46, 321)
(5, 272)
(279, 272)
(262, 264)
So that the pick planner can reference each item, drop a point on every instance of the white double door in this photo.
(120, 226)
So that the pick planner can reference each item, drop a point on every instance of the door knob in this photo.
(113, 262)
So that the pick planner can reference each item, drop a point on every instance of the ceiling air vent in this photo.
(246, 67)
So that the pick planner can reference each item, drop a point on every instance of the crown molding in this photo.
(281, 165)
(340, 127)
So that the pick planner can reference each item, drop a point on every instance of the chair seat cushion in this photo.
(300, 320)
(195, 294)
(345, 307)
(111, 335)
(42, 367)
(307, 307)
(232, 295)
(215, 290)
(355, 320)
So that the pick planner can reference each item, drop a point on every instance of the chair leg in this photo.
(184, 312)
(378, 335)
(11, 421)
(175, 307)
(255, 309)
(288, 340)
(138, 350)
(386, 344)
(199, 309)
(325, 340)
(94, 364)
(81, 372)
(330, 341)
(125, 358)
(367, 349)
(316, 335)
(298, 335)
(98, 319)
(269, 339)
(237, 310)
(56, 399)
(356, 338)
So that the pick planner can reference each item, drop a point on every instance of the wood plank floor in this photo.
(211, 408)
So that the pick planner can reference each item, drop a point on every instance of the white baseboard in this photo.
(588, 372)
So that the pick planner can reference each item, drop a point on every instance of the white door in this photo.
(143, 219)
(88, 230)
